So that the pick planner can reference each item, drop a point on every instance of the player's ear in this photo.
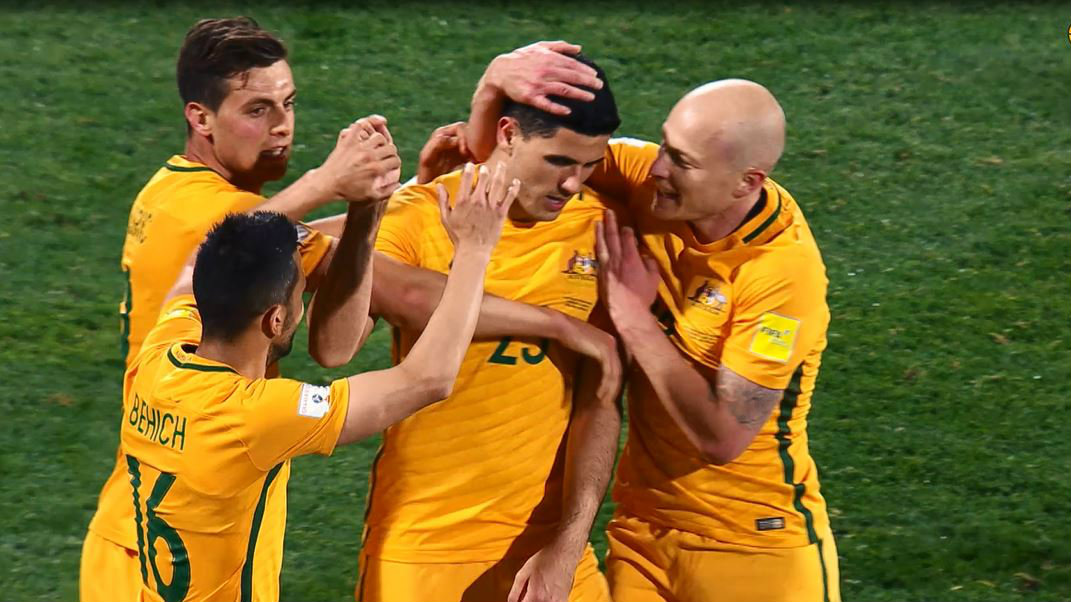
(506, 133)
(273, 321)
(199, 118)
(751, 182)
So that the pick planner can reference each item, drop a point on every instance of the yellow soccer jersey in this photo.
(755, 302)
(169, 219)
(460, 481)
(207, 454)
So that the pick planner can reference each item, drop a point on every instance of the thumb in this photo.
(520, 586)
(444, 201)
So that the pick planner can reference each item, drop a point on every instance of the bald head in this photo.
(735, 118)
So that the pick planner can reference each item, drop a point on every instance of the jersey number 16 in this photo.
(150, 528)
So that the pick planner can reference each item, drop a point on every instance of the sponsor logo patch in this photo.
(775, 337)
(770, 524)
(315, 401)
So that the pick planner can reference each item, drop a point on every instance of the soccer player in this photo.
(207, 435)
(492, 493)
(238, 96)
(718, 496)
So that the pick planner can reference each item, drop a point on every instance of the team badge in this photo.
(582, 265)
(708, 296)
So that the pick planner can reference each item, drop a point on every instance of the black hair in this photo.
(244, 266)
(596, 117)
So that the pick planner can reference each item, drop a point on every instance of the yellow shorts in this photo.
(386, 581)
(109, 572)
(649, 563)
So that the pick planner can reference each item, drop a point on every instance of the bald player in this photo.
(718, 497)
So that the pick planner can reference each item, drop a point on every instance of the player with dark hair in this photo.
(238, 101)
(207, 436)
(718, 497)
(492, 493)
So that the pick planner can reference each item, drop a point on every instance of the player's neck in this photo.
(248, 357)
(716, 227)
(200, 150)
(517, 213)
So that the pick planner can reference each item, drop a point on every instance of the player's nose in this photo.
(571, 185)
(660, 167)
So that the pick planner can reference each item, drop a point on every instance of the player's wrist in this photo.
(319, 185)
(473, 251)
(569, 543)
(559, 327)
(489, 90)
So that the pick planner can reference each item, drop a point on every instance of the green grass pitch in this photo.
(927, 144)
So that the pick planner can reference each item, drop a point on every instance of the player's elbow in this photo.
(403, 304)
(720, 452)
(325, 351)
(329, 358)
(430, 383)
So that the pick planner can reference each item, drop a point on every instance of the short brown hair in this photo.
(217, 49)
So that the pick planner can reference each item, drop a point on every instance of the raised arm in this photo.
(529, 75)
(719, 411)
(356, 170)
(339, 309)
(426, 375)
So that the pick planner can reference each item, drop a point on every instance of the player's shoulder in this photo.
(796, 231)
(788, 258)
(413, 198)
(627, 147)
(190, 190)
(180, 173)
(633, 143)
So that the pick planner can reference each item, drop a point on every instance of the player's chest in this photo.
(696, 304)
(700, 307)
(555, 269)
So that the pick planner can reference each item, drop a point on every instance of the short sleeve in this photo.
(404, 223)
(179, 322)
(313, 246)
(779, 318)
(283, 419)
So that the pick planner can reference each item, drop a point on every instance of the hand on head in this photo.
(530, 75)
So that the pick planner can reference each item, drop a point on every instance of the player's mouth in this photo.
(554, 203)
(277, 153)
(664, 197)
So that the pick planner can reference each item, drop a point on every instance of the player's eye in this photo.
(258, 112)
(560, 161)
(290, 103)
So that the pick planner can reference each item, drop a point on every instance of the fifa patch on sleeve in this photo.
(775, 337)
(315, 401)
